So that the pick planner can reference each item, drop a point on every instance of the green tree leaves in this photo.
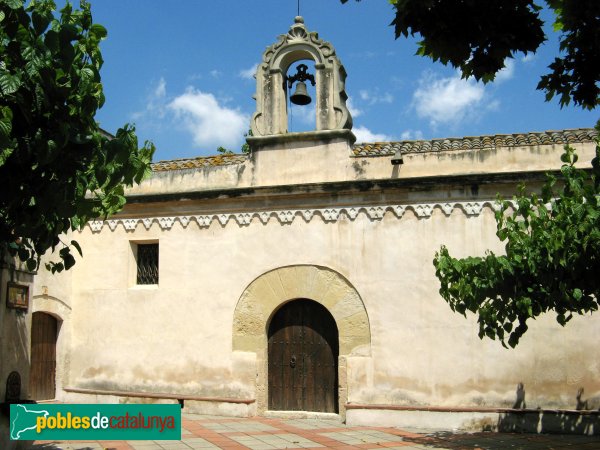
(471, 35)
(477, 36)
(9, 84)
(58, 167)
(573, 76)
(552, 257)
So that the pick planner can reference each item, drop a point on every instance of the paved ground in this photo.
(205, 432)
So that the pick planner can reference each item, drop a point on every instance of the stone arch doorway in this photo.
(42, 376)
(264, 296)
(303, 355)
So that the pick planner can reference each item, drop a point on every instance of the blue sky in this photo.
(181, 71)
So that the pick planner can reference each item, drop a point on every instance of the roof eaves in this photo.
(561, 137)
(200, 162)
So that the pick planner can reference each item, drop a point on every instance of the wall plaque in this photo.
(17, 296)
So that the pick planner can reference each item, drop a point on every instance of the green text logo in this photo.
(95, 422)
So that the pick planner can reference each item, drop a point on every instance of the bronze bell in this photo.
(300, 97)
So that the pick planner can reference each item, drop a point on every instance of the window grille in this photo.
(147, 264)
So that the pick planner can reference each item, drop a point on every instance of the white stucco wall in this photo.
(177, 337)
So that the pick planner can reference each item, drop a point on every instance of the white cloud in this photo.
(364, 54)
(398, 82)
(363, 134)
(161, 89)
(507, 72)
(215, 73)
(304, 114)
(374, 97)
(210, 123)
(354, 111)
(447, 100)
(411, 135)
(155, 103)
(249, 73)
(528, 57)
(494, 105)
(195, 77)
(386, 98)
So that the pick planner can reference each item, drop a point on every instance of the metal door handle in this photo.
(293, 362)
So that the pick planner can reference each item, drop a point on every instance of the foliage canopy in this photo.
(477, 36)
(58, 168)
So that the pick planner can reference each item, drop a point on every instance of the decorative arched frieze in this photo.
(332, 113)
(287, 216)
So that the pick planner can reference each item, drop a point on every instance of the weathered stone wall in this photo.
(15, 344)
(14, 326)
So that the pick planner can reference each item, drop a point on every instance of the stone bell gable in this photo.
(298, 44)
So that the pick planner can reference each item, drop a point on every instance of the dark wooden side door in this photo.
(303, 358)
(44, 329)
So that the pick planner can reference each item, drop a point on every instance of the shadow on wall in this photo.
(20, 341)
(14, 335)
(563, 422)
(520, 402)
(15, 355)
(581, 420)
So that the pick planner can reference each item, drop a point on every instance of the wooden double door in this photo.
(303, 358)
(44, 331)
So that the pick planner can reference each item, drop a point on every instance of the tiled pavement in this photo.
(206, 432)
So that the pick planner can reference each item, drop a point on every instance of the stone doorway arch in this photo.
(267, 293)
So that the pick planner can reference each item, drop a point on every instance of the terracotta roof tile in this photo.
(196, 163)
(389, 148)
(476, 142)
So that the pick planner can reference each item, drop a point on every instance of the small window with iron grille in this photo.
(147, 264)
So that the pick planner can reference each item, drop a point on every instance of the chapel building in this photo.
(297, 279)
